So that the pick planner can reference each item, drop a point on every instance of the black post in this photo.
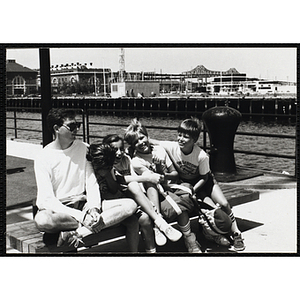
(45, 93)
(221, 123)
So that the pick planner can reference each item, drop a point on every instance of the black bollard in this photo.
(221, 123)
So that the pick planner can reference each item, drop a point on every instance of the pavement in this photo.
(268, 225)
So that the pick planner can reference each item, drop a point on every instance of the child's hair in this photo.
(132, 131)
(57, 116)
(190, 126)
(101, 156)
(112, 138)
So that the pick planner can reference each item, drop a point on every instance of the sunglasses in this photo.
(72, 126)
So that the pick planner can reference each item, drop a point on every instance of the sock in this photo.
(231, 216)
(83, 231)
(186, 229)
(234, 227)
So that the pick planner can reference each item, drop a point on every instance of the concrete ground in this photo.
(269, 224)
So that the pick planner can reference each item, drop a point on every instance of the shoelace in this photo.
(75, 240)
(168, 230)
(157, 232)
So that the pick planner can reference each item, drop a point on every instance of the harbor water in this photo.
(248, 143)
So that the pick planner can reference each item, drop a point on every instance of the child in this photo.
(121, 208)
(136, 136)
(192, 164)
(115, 185)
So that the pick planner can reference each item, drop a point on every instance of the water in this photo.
(269, 145)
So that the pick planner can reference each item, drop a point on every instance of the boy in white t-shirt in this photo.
(192, 165)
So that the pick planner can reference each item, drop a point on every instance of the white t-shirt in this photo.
(63, 176)
(191, 166)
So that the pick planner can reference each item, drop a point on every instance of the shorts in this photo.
(180, 202)
(207, 188)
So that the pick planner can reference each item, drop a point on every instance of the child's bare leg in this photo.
(153, 195)
(132, 233)
(218, 197)
(142, 200)
(147, 232)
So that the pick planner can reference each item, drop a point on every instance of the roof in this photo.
(12, 66)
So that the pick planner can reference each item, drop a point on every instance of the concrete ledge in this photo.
(266, 181)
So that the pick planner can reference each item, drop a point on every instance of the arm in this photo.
(172, 174)
(154, 142)
(92, 187)
(201, 182)
(146, 176)
(204, 170)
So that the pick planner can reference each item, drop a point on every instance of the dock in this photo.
(268, 222)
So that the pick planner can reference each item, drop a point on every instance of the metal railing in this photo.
(86, 135)
(15, 119)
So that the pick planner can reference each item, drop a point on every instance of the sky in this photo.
(261, 62)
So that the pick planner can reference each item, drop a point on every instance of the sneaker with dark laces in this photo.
(238, 243)
(218, 239)
(160, 238)
(191, 243)
(69, 238)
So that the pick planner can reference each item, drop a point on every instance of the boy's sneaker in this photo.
(238, 243)
(70, 238)
(171, 233)
(160, 239)
(218, 239)
(191, 243)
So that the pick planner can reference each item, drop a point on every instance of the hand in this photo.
(91, 218)
(95, 214)
(156, 178)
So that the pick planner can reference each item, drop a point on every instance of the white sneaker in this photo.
(171, 233)
(160, 239)
(191, 243)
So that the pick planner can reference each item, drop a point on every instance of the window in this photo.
(115, 88)
(17, 81)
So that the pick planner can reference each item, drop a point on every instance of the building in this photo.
(134, 89)
(275, 87)
(20, 80)
(79, 78)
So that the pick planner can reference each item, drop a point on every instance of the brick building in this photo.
(20, 80)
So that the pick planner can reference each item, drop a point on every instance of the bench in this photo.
(26, 238)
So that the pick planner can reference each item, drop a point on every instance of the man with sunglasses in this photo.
(68, 197)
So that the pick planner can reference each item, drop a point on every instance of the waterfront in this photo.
(270, 145)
